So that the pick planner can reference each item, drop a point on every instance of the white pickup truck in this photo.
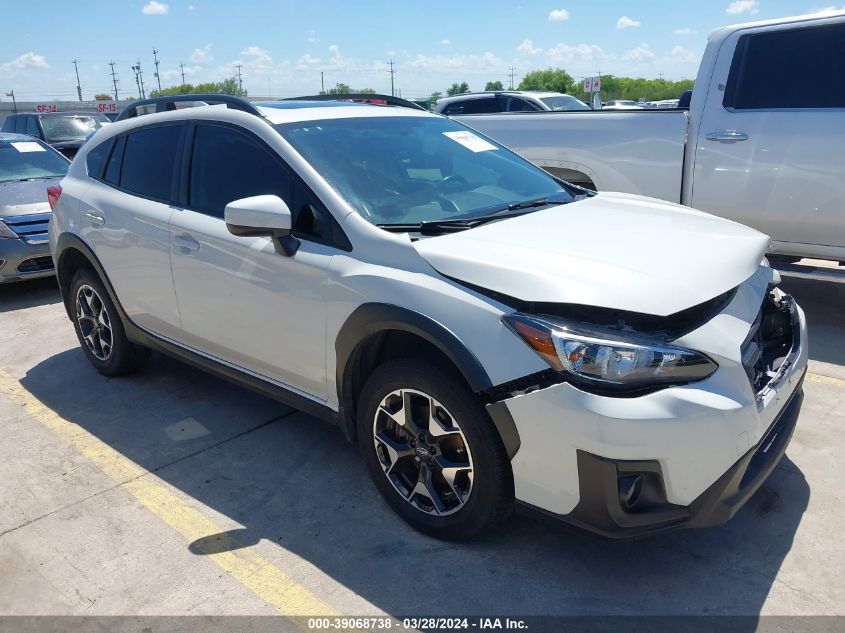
(763, 142)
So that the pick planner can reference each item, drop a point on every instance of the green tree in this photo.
(554, 79)
(613, 87)
(456, 89)
(231, 86)
(340, 89)
(494, 85)
(366, 91)
(433, 98)
(228, 86)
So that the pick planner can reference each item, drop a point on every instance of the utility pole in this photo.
(114, 79)
(14, 103)
(182, 68)
(322, 84)
(511, 76)
(156, 62)
(392, 72)
(240, 82)
(78, 86)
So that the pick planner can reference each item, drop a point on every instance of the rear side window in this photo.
(227, 165)
(474, 106)
(112, 174)
(32, 127)
(96, 159)
(149, 160)
(800, 68)
(9, 124)
(20, 124)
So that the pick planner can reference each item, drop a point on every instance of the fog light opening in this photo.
(630, 488)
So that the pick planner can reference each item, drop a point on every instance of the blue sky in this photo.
(289, 42)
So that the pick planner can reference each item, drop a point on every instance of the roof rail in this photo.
(166, 104)
(376, 99)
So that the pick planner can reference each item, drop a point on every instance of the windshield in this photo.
(565, 102)
(26, 159)
(70, 128)
(409, 170)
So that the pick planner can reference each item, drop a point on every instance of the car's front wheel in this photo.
(99, 328)
(432, 450)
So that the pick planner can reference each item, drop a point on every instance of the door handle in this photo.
(95, 218)
(185, 245)
(727, 136)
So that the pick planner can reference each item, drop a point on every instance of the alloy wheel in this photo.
(423, 452)
(94, 322)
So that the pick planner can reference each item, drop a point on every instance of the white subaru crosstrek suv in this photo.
(487, 334)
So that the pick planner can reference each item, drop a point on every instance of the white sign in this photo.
(28, 146)
(46, 107)
(592, 84)
(470, 141)
(104, 107)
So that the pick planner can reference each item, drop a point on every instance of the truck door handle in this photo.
(185, 245)
(727, 136)
(95, 218)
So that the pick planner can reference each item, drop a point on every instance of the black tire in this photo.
(123, 356)
(491, 495)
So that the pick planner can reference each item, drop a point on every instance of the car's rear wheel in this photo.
(432, 450)
(99, 328)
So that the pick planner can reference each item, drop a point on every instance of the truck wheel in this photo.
(99, 328)
(432, 450)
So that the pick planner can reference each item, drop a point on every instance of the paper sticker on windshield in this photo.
(28, 146)
(470, 141)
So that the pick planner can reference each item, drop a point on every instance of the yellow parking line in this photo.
(256, 573)
(826, 380)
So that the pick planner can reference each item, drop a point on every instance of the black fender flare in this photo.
(372, 318)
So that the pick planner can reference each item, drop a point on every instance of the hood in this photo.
(612, 250)
(23, 198)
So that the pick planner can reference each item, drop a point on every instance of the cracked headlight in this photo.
(609, 362)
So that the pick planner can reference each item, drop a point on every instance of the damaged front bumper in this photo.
(686, 456)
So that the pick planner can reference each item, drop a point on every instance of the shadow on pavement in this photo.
(28, 294)
(294, 482)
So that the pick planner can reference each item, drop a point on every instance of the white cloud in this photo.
(831, 9)
(451, 63)
(153, 7)
(202, 55)
(191, 7)
(641, 53)
(743, 6)
(528, 48)
(306, 61)
(684, 55)
(259, 57)
(584, 54)
(685, 31)
(625, 22)
(445, 42)
(312, 36)
(559, 15)
(25, 62)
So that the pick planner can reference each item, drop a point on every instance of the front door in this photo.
(241, 300)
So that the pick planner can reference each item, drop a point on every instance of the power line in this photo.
(156, 62)
(78, 84)
(392, 72)
(114, 79)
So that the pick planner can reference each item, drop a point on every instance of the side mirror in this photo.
(262, 216)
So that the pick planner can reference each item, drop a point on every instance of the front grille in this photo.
(770, 341)
(30, 228)
(36, 264)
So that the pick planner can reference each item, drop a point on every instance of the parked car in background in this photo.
(65, 131)
(29, 172)
(487, 334)
(508, 101)
(621, 104)
(748, 149)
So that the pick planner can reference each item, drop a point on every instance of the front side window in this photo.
(149, 160)
(406, 169)
(814, 57)
(28, 160)
(228, 165)
(32, 127)
(58, 129)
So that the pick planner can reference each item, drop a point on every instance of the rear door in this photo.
(769, 150)
(241, 300)
(125, 218)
